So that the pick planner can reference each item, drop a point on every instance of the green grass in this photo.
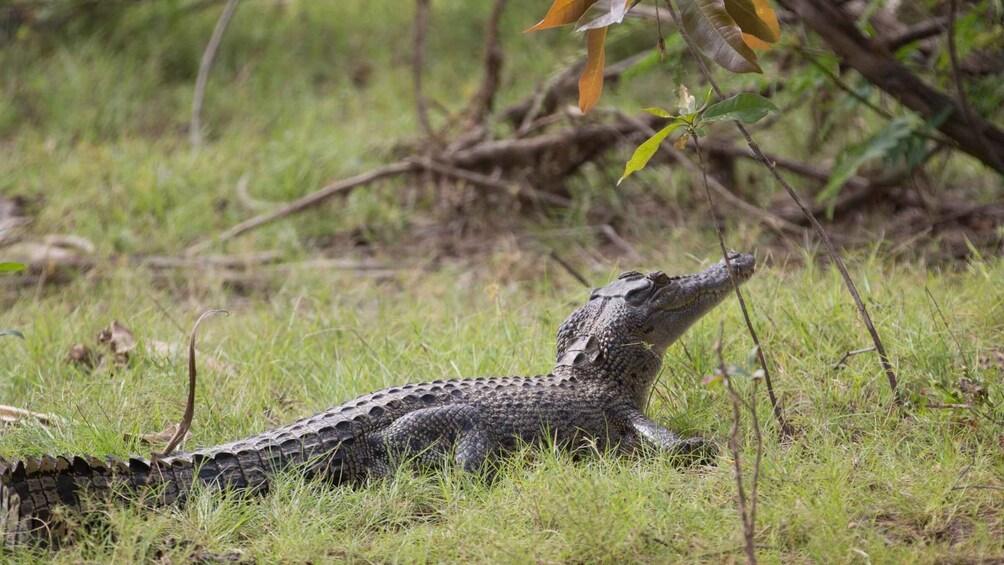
(92, 129)
(859, 478)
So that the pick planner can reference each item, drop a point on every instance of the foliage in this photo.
(744, 107)
(725, 30)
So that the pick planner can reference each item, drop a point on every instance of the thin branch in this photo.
(850, 354)
(208, 56)
(568, 267)
(782, 424)
(958, 344)
(827, 242)
(418, 54)
(483, 100)
(309, 201)
(923, 30)
(745, 517)
(186, 420)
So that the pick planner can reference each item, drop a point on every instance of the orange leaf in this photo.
(591, 81)
(756, 18)
(562, 12)
(755, 43)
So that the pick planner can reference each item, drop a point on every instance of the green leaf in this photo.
(658, 112)
(717, 35)
(853, 157)
(646, 150)
(715, 379)
(744, 107)
(11, 332)
(10, 267)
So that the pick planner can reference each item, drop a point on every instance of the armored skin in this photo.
(609, 353)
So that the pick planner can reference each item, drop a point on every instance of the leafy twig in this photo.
(195, 127)
(827, 242)
(186, 420)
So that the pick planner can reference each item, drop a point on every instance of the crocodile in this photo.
(609, 353)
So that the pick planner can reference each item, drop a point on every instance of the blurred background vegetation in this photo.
(96, 98)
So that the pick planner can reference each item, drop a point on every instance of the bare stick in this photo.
(827, 242)
(782, 424)
(748, 526)
(208, 56)
(418, 54)
(568, 267)
(958, 345)
(308, 201)
(850, 354)
(186, 420)
(482, 101)
(490, 183)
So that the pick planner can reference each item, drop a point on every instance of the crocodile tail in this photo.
(31, 489)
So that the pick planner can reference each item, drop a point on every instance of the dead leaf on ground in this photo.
(80, 354)
(119, 338)
(116, 343)
(158, 439)
(11, 415)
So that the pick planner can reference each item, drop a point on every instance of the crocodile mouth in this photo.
(713, 283)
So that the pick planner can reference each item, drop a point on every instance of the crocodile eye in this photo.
(629, 275)
(659, 278)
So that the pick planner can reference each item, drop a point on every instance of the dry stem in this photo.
(195, 126)
(186, 420)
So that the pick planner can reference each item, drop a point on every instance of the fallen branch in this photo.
(195, 126)
(186, 420)
(510, 188)
(313, 199)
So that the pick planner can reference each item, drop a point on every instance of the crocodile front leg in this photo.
(429, 436)
(692, 450)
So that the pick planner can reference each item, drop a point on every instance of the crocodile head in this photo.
(640, 313)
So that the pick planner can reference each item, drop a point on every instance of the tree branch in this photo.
(876, 64)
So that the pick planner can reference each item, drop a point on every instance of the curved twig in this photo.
(186, 420)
